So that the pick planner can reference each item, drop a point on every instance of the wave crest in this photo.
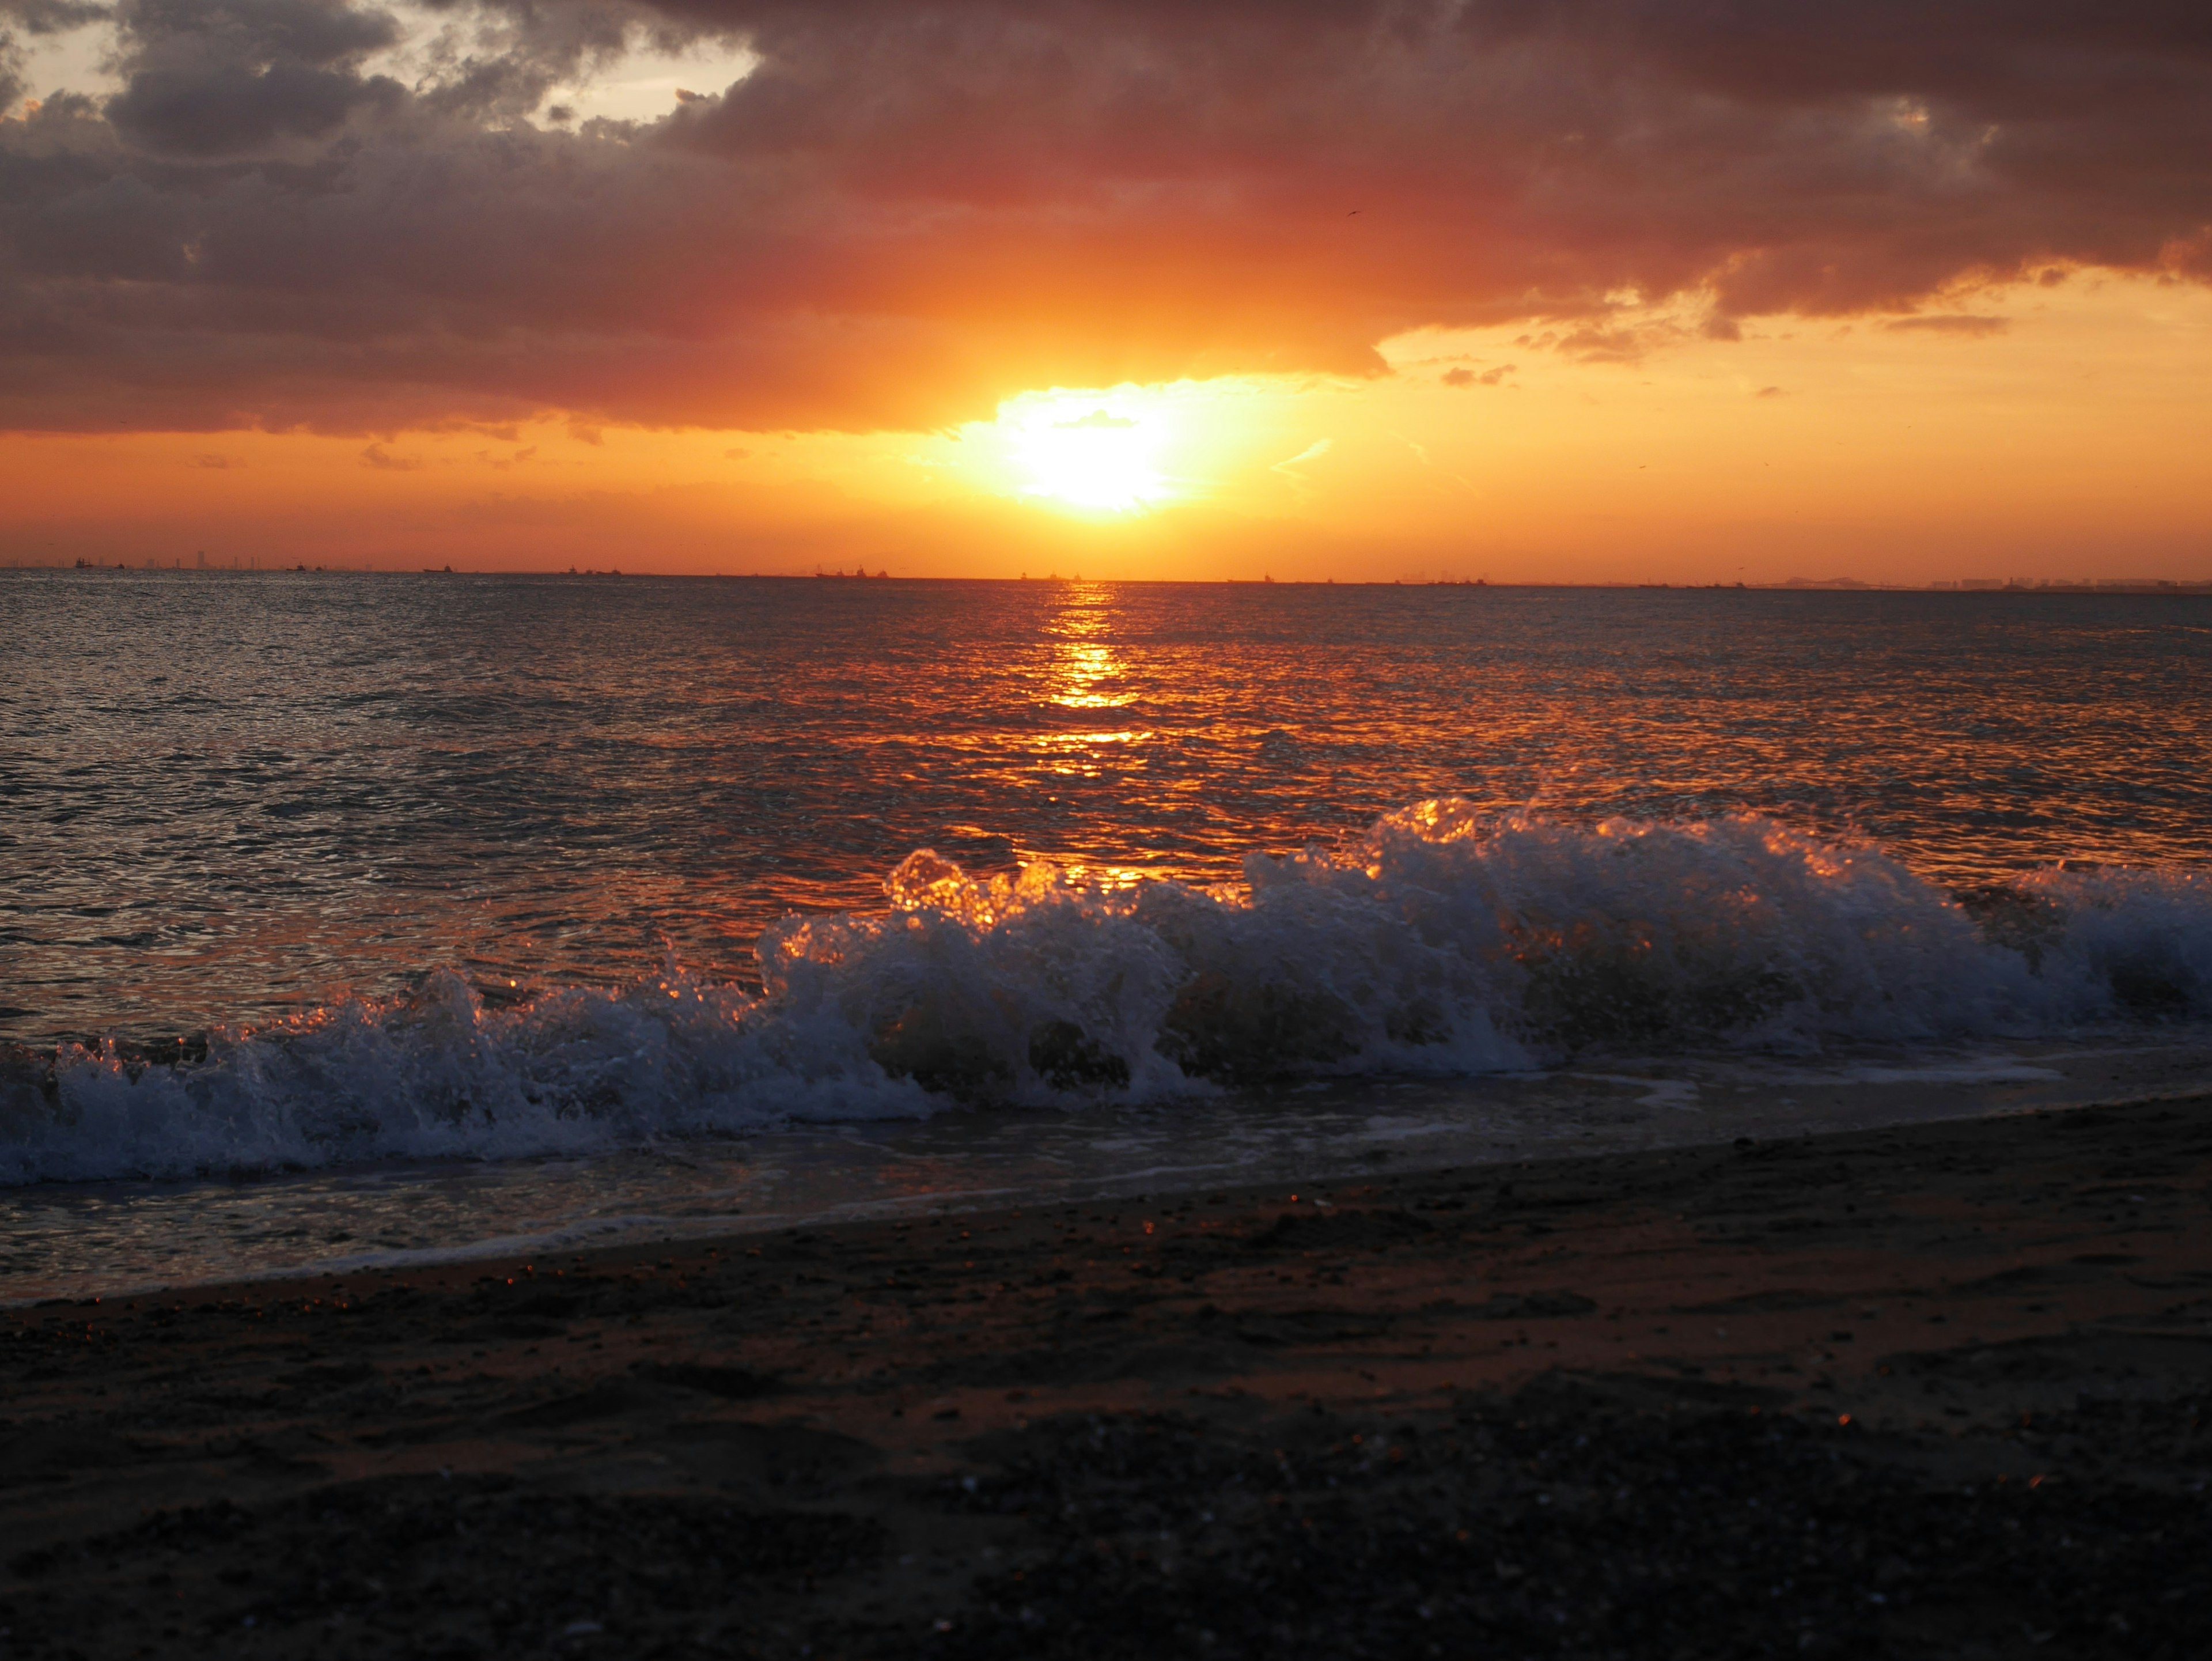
(1441, 942)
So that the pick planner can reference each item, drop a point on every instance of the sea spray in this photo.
(1442, 941)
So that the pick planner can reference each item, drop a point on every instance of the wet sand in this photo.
(1941, 1390)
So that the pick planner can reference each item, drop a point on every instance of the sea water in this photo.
(349, 915)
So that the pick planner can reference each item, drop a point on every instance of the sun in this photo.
(1096, 457)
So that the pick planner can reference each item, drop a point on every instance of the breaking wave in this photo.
(1441, 942)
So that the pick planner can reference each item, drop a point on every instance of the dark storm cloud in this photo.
(910, 210)
(209, 78)
(50, 16)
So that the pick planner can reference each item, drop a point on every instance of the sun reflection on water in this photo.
(1084, 670)
(1087, 672)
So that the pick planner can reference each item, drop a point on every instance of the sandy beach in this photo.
(1944, 1391)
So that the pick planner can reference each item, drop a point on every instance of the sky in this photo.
(1527, 290)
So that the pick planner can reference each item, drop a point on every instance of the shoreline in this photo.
(1116, 1426)
(75, 1239)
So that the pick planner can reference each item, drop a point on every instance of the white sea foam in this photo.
(1441, 942)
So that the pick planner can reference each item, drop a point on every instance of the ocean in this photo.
(348, 918)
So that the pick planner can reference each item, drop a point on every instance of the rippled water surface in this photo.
(224, 797)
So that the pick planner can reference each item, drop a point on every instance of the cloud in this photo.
(1289, 466)
(906, 213)
(1961, 324)
(1465, 377)
(214, 78)
(214, 463)
(1770, 391)
(34, 18)
(50, 16)
(1098, 419)
(374, 456)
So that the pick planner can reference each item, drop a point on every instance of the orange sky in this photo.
(1352, 292)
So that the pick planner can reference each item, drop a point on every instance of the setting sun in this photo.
(1097, 458)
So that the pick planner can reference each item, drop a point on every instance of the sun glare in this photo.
(1096, 455)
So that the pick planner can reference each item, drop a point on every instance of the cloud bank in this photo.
(321, 214)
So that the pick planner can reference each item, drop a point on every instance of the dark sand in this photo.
(1938, 1392)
